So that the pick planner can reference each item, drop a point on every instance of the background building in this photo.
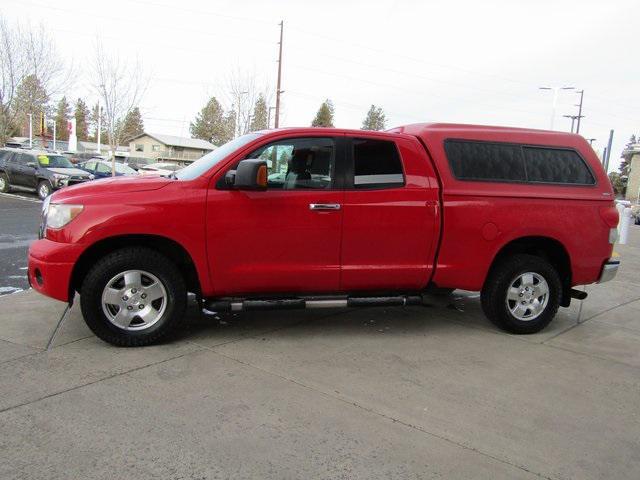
(161, 148)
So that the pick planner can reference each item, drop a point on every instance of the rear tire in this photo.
(133, 297)
(5, 187)
(44, 189)
(514, 297)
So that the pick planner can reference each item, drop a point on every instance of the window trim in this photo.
(350, 167)
(336, 181)
(522, 146)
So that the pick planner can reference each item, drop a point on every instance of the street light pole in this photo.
(30, 130)
(555, 91)
(238, 129)
(581, 92)
(269, 117)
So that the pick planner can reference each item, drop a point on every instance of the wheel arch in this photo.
(546, 247)
(166, 246)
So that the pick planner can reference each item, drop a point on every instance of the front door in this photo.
(284, 239)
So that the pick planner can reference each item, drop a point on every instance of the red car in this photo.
(312, 218)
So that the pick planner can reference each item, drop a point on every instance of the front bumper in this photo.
(609, 270)
(51, 266)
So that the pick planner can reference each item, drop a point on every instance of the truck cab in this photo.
(312, 217)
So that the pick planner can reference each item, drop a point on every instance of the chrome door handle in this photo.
(324, 206)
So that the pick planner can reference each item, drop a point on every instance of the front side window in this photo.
(299, 163)
(376, 164)
(90, 166)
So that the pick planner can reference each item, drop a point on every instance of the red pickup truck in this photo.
(314, 218)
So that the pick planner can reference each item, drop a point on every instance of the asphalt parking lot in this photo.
(420, 392)
(19, 219)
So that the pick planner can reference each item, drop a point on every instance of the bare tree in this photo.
(44, 62)
(120, 86)
(27, 52)
(244, 89)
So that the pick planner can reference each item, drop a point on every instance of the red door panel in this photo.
(272, 241)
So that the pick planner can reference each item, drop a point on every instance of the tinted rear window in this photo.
(552, 165)
(471, 160)
(485, 161)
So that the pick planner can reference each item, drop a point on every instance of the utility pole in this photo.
(54, 135)
(278, 87)
(555, 91)
(581, 92)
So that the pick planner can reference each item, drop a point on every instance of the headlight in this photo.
(59, 178)
(60, 214)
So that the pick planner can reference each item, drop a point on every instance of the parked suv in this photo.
(326, 218)
(41, 171)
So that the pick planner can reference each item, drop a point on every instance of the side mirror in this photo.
(31, 164)
(250, 175)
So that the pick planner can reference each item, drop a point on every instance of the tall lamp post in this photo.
(555, 91)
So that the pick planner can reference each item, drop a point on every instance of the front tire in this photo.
(5, 187)
(133, 297)
(522, 294)
(44, 189)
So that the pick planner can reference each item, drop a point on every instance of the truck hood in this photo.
(121, 184)
(69, 171)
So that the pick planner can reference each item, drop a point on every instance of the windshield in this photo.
(124, 169)
(54, 161)
(203, 164)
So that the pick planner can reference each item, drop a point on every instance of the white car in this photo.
(159, 169)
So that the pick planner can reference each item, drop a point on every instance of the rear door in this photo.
(391, 214)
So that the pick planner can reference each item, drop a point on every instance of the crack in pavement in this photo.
(379, 414)
(76, 387)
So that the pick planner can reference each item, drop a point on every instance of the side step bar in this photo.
(311, 302)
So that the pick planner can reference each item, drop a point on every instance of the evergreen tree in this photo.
(63, 112)
(31, 98)
(133, 125)
(93, 123)
(211, 124)
(324, 117)
(260, 119)
(627, 154)
(82, 115)
(375, 119)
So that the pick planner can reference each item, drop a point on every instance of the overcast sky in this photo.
(453, 61)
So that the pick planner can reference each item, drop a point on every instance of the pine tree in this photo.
(375, 119)
(324, 117)
(31, 98)
(93, 122)
(212, 125)
(133, 125)
(260, 119)
(63, 112)
(627, 154)
(82, 120)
